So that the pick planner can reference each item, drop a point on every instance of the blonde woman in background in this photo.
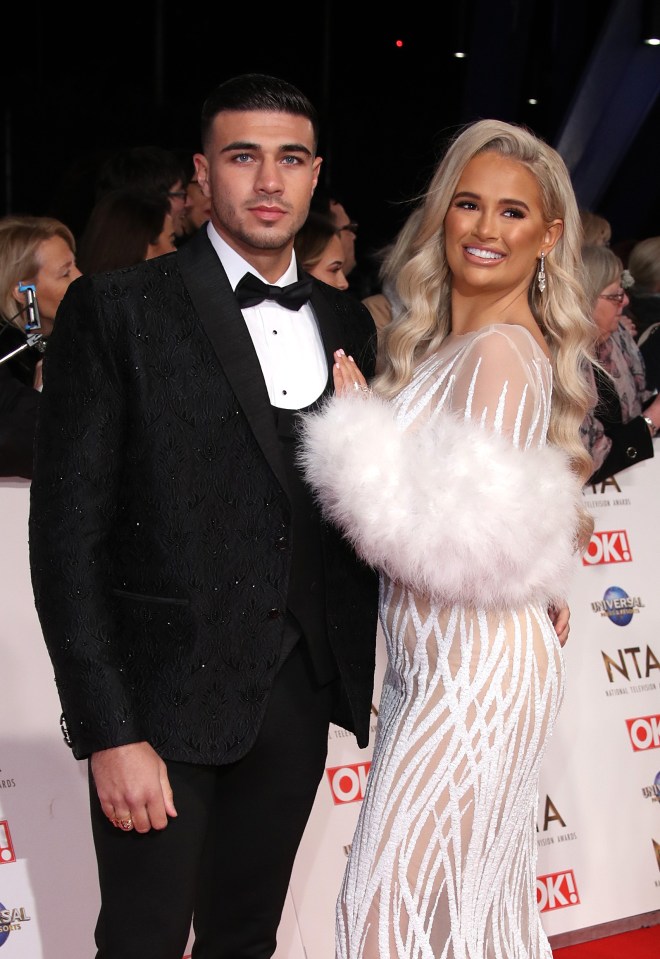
(36, 250)
(644, 294)
(619, 431)
(459, 477)
(597, 230)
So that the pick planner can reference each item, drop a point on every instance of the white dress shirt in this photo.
(287, 342)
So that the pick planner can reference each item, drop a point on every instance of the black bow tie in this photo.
(250, 290)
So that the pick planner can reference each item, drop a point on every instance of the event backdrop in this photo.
(598, 827)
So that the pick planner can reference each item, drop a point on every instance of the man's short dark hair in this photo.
(257, 91)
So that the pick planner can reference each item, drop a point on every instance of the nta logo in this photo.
(632, 664)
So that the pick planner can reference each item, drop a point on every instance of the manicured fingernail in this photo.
(339, 352)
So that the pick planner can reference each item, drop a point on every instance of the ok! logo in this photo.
(7, 853)
(347, 782)
(556, 890)
(644, 732)
(608, 547)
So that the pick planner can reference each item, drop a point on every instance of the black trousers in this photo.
(226, 860)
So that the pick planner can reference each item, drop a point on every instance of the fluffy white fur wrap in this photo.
(451, 510)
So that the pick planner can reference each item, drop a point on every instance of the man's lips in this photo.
(268, 213)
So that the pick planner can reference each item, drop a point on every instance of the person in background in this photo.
(329, 205)
(320, 252)
(205, 626)
(596, 229)
(125, 227)
(385, 305)
(619, 431)
(149, 169)
(644, 294)
(347, 229)
(459, 476)
(35, 250)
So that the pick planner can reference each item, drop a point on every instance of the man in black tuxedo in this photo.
(204, 623)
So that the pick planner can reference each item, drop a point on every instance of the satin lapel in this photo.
(223, 322)
(331, 332)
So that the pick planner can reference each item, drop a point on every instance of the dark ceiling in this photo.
(141, 74)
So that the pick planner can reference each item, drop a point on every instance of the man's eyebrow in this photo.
(283, 148)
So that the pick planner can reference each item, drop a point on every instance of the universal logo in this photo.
(11, 920)
(652, 792)
(617, 605)
(608, 547)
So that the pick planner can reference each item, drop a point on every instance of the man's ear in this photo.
(316, 169)
(202, 173)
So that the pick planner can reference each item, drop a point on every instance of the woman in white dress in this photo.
(459, 476)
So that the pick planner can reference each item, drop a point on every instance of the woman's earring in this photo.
(540, 276)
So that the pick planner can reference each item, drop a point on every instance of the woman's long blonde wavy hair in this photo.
(416, 266)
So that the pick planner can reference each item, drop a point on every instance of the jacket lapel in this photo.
(330, 329)
(223, 322)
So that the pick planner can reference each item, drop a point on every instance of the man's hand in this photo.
(133, 787)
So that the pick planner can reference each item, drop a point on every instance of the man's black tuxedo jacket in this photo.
(159, 515)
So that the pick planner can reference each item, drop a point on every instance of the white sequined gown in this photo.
(442, 865)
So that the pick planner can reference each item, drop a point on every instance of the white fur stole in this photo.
(451, 510)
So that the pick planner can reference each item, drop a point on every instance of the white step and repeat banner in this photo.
(598, 829)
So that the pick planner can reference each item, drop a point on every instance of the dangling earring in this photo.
(540, 276)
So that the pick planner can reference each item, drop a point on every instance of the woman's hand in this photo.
(347, 376)
(560, 618)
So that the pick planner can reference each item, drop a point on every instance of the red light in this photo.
(399, 43)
